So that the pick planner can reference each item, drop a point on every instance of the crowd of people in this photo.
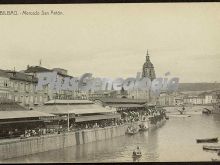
(154, 114)
(92, 124)
(157, 115)
(128, 116)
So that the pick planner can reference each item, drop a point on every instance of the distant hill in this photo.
(198, 86)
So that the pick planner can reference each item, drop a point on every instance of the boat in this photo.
(208, 140)
(182, 111)
(215, 160)
(214, 148)
(143, 127)
(131, 130)
(167, 117)
(137, 153)
(206, 111)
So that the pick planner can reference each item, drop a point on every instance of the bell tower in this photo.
(148, 68)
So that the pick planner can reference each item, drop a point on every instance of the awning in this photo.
(23, 121)
(123, 100)
(97, 117)
(68, 102)
(75, 109)
(126, 105)
(22, 114)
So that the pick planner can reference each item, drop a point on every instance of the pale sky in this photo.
(111, 40)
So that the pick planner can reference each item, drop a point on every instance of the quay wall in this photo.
(32, 145)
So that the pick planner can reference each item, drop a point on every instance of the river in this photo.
(173, 141)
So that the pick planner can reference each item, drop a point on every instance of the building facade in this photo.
(61, 74)
(21, 88)
(4, 84)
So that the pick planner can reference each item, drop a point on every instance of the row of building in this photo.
(177, 98)
(21, 86)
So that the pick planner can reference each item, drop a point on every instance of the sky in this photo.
(111, 40)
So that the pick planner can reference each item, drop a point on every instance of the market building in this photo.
(15, 120)
(79, 114)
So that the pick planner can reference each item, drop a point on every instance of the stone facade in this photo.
(21, 88)
(61, 74)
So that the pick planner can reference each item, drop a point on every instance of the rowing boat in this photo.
(136, 154)
(215, 160)
(215, 148)
(207, 140)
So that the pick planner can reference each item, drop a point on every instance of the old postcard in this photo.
(110, 83)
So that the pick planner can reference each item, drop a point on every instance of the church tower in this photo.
(148, 69)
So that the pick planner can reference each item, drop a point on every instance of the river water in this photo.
(173, 141)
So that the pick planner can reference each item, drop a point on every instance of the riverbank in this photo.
(21, 147)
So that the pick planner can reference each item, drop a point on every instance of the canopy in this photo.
(68, 102)
(22, 114)
(123, 100)
(126, 105)
(75, 109)
(96, 117)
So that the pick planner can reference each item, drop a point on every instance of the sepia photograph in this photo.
(110, 82)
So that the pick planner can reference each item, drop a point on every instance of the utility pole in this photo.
(68, 120)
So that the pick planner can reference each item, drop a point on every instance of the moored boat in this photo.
(215, 148)
(215, 160)
(131, 130)
(143, 127)
(207, 140)
(206, 111)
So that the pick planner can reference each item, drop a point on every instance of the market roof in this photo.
(96, 117)
(68, 102)
(10, 105)
(75, 109)
(123, 100)
(126, 105)
(22, 114)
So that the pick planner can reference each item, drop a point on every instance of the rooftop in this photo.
(22, 114)
(36, 69)
(39, 69)
(51, 102)
(75, 109)
(123, 100)
(20, 76)
(10, 105)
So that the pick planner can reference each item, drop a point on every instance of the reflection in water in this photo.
(174, 141)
